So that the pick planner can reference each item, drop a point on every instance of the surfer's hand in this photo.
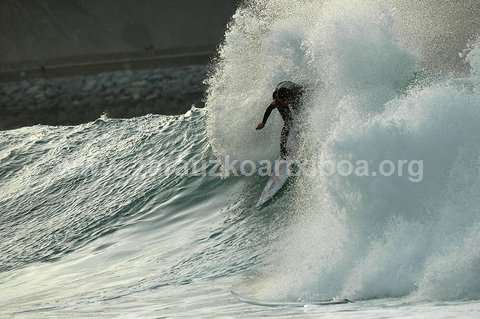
(260, 126)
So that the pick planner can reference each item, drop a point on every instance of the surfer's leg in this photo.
(283, 142)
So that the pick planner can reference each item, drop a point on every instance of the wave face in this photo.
(110, 209)
(374, 94)
(64, 187)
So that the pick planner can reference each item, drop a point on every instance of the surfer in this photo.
(286, 99)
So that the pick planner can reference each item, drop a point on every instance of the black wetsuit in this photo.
(295, 93)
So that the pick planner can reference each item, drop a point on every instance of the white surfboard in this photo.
(281, 172)
(265, 303)
(275, 182)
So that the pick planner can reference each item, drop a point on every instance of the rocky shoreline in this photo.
(120, 94)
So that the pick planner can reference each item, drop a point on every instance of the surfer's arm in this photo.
(269, 110)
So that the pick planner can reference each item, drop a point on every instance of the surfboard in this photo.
(281, 171)
(275, 182)
(266, 303)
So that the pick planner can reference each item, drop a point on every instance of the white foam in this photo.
(357, 237)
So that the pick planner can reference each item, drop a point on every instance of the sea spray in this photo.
(357, 237)
(370, 237)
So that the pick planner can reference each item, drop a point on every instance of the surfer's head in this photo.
(282, 96)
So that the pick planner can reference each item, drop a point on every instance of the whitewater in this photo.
(105, 220)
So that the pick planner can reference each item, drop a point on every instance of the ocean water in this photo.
(109, 219)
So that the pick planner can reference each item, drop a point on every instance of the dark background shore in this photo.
(64, 63)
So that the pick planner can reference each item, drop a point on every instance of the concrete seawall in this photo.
(41, 32)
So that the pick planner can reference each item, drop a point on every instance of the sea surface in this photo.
(114, 218)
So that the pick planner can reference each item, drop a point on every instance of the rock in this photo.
(123, 80)
(139, 83)
(107, 85)
(40, 96)
(152, 96)
(33, 90)
(24, 84)
(90, 85)
(10, 89)
(50, 92)
(154, 77)
(40, 82)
